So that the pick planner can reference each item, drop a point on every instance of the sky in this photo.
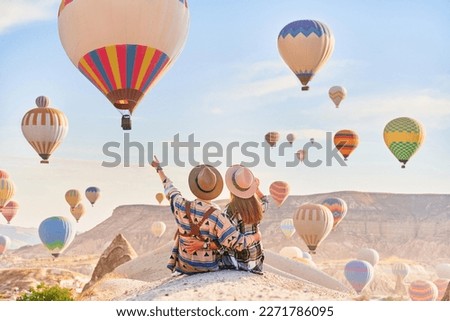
(230, 84)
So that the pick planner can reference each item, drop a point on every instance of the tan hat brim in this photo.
(233, 188)
(196, 190)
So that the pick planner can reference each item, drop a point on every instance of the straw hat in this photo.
(240, 181)
(205, 182)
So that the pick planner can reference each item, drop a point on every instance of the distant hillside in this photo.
(402, 225)
(20, 236)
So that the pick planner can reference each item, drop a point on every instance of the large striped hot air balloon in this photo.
(92, 194)
(337, 94)
(346, 141)
(441, 285)
(77, 211)
(158, 228)
(368, 255)
(73, 197)
(123, 47)
(7, 191)
(5, 242)
(44, 128)
(403, 136)
(10, 210)
(159, 197)
(272, 138)
(443, 270)
(279, 191)
(3, 174)
(305, 46)
(420, 290)
(313, 223)
(359, 274)
(56, 233)
(287, 227)
(338, 208)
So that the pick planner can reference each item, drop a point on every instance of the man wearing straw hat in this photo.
(200, 219)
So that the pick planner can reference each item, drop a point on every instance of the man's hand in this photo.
(155, 162)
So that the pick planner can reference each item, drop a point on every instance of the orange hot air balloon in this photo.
(313, 223)
(123, 47)
(10, 210)
(7, 191)
(441, 285)
(77, 211)
(420, 290)
(73, 197)
(159, 197)
(279, 191)
(272, 138)
(346, 142)
(3, 174)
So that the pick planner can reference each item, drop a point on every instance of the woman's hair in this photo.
(250, 209)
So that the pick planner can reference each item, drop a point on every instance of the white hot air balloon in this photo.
(369, 255)
(158, 228)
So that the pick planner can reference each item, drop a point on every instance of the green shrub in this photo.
(44, 292)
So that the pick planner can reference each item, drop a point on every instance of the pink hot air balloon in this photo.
(10, 210)
(441, 285)
(279, 191)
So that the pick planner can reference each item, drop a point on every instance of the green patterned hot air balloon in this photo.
(403, 136)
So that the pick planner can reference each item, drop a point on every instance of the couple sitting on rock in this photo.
(209, 239)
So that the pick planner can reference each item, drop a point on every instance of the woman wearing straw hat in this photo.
(201, 219)
(245, 210)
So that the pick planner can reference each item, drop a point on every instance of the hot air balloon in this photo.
(92, 194)
(337, 94)
(272, 138)
(159, 197)
(158, 228)
(279, 191)
(44, 128)
(290, 138)
(338, 208)
(441, 285)
(10, 210)
(420, 290)
(123, 47)
(7, 191)
(3, 174)
(401, 269)
(359, 274)
(403, 136)
(291, 252)
(56, 233)
(346, 142)
(301, 154)
(305, 46)
(73, 197)
(443, 270)
(313, 223)
(77, 211)
(368, 255)
(4, 243)
(287, 227)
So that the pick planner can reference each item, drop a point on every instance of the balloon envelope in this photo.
(401, 269)
(420, 290)
(56, 233)
(158, 228)
(5, 242)
(44, 128)
(123, 47)
(73, 197)
(92, 194)
(313, 223)
(287, 227)
(272, 138)
(7, 191)
(403, 136)
(337, 94)
(338, 208)
(359, 274)
(301, 154)
(3, 174)
(290, 138)
(346, 141)
(443, 270)
(10, 210)
(279, 191)
(368, 255)
(159, 197)
(77, 211)
(291, 252)
(305, 46)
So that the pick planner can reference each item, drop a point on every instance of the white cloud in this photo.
(20, 12)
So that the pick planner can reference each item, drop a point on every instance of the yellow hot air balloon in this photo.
(159, 197)
(158, 228)
(44, 128)
(279, 191)
(73, 197)
(123, 47)
(78, 211)
(403, 136)
(346, 141)
(337, 94)
(7, 191)
(305, 46)
(272, 138)
(313, 223)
